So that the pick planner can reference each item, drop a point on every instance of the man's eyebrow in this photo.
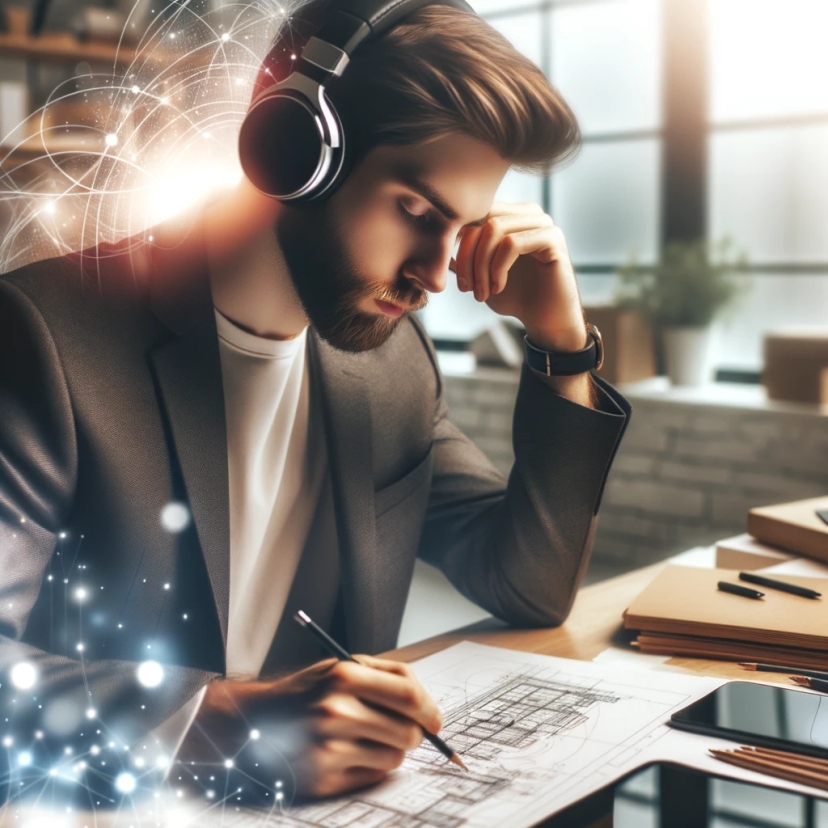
(423, 188)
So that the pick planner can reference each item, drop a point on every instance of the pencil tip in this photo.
(458, 761)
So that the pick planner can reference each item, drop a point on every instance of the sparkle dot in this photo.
(228, 763)
(125, 783)
(279, 795)
(255, 734)
(7, 741)
(24, 759)
(150, 673)
(91, 713)
(80, 647)
(166, 586)
(23, 675)
(135, 89)
(81, 595)
(94, 750)
(61, 535)
(225, 37)
(38, 734)
(111, 140)
(175, 517)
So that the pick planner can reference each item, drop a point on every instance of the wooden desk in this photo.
(593, 625)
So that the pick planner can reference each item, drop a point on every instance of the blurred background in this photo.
(696, 216)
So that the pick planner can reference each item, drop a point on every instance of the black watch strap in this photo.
(566, 363)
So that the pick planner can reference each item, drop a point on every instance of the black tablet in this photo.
(666, 795)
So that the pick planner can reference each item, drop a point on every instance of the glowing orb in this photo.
(23, 675)
(81, 595)
(150, 673)
(228, 763)
(225, 37)
(8, 741)
(91, 713)
(254, 734)
(175, 517)
(24, 759)
(125, 783)
(111, 140)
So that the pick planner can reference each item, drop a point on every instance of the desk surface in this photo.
(593, 625)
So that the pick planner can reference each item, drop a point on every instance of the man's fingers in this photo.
(390, 690)
(334, 756)
(343, 716)
(493, 234)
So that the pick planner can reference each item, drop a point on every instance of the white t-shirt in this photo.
(276, 468)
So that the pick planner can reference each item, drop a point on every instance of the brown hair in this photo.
(440, 70)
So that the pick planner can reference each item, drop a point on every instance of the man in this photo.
(237, 417)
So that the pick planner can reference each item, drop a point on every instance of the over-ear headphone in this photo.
(292, 142)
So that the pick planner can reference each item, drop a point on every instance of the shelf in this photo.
(63, 47)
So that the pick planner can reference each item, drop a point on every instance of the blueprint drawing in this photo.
(536, 732)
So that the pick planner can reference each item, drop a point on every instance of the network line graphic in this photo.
(116, 150)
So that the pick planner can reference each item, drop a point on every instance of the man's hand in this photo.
(517, 262)
(333, 727)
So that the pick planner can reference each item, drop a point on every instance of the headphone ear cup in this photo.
(340, 165)
(280, 144)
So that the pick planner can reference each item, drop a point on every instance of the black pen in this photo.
(343, 655)
(782, 586)
(779, 668)
(735, 589)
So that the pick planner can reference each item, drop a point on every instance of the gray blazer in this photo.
(111, 406)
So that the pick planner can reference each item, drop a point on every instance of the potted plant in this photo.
(681, 296)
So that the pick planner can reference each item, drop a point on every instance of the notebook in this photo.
(685, 601)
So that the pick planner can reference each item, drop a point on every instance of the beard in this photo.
(331, 288)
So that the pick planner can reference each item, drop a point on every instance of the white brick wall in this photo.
(689, 467)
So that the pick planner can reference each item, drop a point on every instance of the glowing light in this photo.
(175, 517)
(38, 734)
(139, 762)
(136, 89)
(94, 750)
(80, 647)
(225, 37)
(228, 763)
(50, 207)
(162, 762)
(24, 759)
(81, 595)
(150, 673)
(255, 734)
(7, 741)
(23, 675)
(125, 783)
(91, 713)
(111, 140)
(165, 101)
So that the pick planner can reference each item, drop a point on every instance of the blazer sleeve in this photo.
(519, 549)
(50, 702)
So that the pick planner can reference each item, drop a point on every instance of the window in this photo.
(760, 142)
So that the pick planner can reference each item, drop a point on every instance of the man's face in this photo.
(383, 241)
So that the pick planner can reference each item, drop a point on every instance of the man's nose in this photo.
(429, 270)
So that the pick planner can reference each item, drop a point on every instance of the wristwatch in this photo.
(567, 363)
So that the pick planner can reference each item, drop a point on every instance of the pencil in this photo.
(820, 685)
(777, 668)
(335, 649)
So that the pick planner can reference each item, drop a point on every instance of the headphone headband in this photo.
(292, 143)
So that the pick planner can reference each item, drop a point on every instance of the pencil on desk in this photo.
(821, 685)
(342, 654)
(790, 767)
(778, 668)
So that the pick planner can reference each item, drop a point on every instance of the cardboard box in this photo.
(746, 553)
(796, 364)
(792, 526)
(628, 343)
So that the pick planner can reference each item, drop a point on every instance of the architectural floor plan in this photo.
(535, 732)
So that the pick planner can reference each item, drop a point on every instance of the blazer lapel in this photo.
(347, 417)
(188, 370)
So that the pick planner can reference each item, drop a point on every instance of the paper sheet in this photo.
(537, 733)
